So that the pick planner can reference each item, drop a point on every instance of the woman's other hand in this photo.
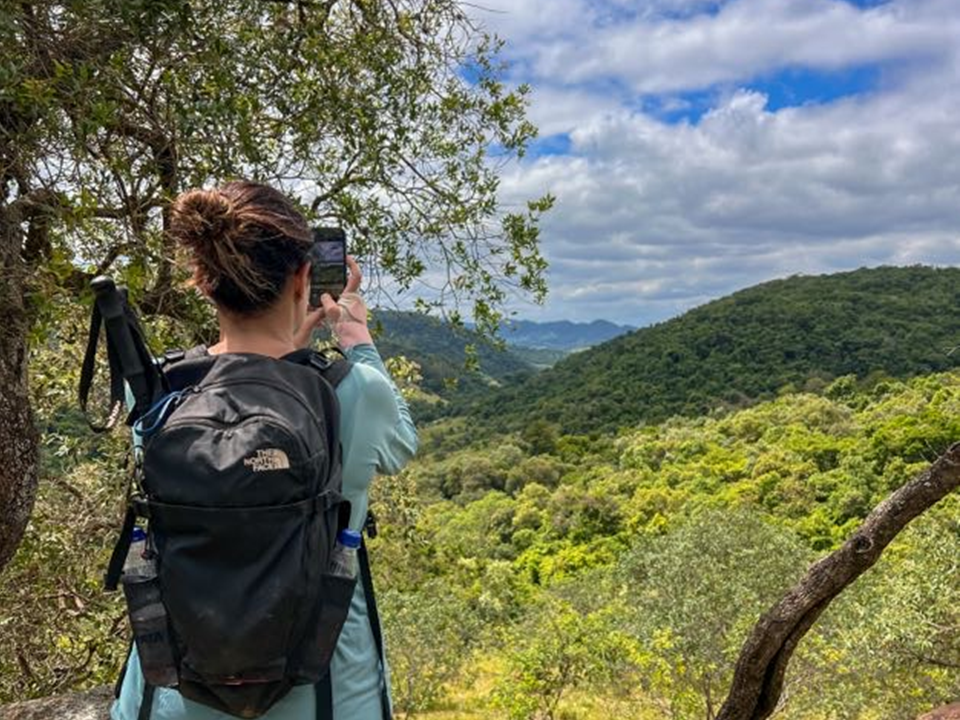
(303, 337)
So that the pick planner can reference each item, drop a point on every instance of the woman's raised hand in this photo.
(347, 317)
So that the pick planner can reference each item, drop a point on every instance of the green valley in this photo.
(639, 561)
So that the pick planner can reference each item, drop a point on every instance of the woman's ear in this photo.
(301, 282)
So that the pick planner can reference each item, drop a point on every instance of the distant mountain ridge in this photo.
(733, 351)
(441, 351)
(562, 334)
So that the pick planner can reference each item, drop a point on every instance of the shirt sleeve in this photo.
(386, 406)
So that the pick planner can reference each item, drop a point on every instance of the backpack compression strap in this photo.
(146, 701)
(323, 697)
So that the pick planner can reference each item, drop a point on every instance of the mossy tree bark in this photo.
(18, 434)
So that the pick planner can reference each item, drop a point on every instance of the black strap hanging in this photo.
(118, 685)
(127, 354)
(119, 555)
(367, 579)
(87, 372)
(324, 698)
(146, 702)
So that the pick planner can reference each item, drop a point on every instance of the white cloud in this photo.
(572, 41)
(654, 218)
(555, 111)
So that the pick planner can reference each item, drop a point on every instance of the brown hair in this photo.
(245, 240)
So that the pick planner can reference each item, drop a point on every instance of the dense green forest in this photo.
(573, 576)
(797, 333)
(542, 574)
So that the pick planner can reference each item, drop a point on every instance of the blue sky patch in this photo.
(607, 14)
(803, 86)
(688, 107)
(711, 9)
(792, 87)
(471, 72)
(558, 144)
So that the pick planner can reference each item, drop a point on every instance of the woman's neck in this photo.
(264, 335)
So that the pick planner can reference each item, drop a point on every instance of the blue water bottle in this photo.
(343, 561)
(138, 565)
(148, 616)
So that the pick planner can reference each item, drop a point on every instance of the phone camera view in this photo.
(330, 252)
(328, 263)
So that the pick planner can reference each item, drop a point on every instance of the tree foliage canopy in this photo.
(388, 117)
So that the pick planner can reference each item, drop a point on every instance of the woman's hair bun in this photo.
(203, 218)
(245, 239)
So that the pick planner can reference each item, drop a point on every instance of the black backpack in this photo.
(239, 481)
(240, 484)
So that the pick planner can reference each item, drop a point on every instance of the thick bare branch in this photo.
(758, 678)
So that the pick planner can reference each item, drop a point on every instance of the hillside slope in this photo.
(898, 321)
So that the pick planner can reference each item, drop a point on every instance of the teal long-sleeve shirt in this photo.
(378, 437)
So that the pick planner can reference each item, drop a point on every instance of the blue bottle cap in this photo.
(349, 538)
(138, 534)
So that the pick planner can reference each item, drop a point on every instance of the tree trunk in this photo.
(18, 433)
(758, 678)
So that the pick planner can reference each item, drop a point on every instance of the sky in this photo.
(697, 147)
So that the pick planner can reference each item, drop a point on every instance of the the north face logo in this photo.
(269, 459)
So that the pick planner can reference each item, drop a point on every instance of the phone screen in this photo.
(328, 263)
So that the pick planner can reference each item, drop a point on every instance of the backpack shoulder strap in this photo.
(333, 371)
(185, 368)
(332, 367)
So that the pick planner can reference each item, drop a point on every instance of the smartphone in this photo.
(328, 263)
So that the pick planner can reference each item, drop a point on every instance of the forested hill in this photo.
(799, 331)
